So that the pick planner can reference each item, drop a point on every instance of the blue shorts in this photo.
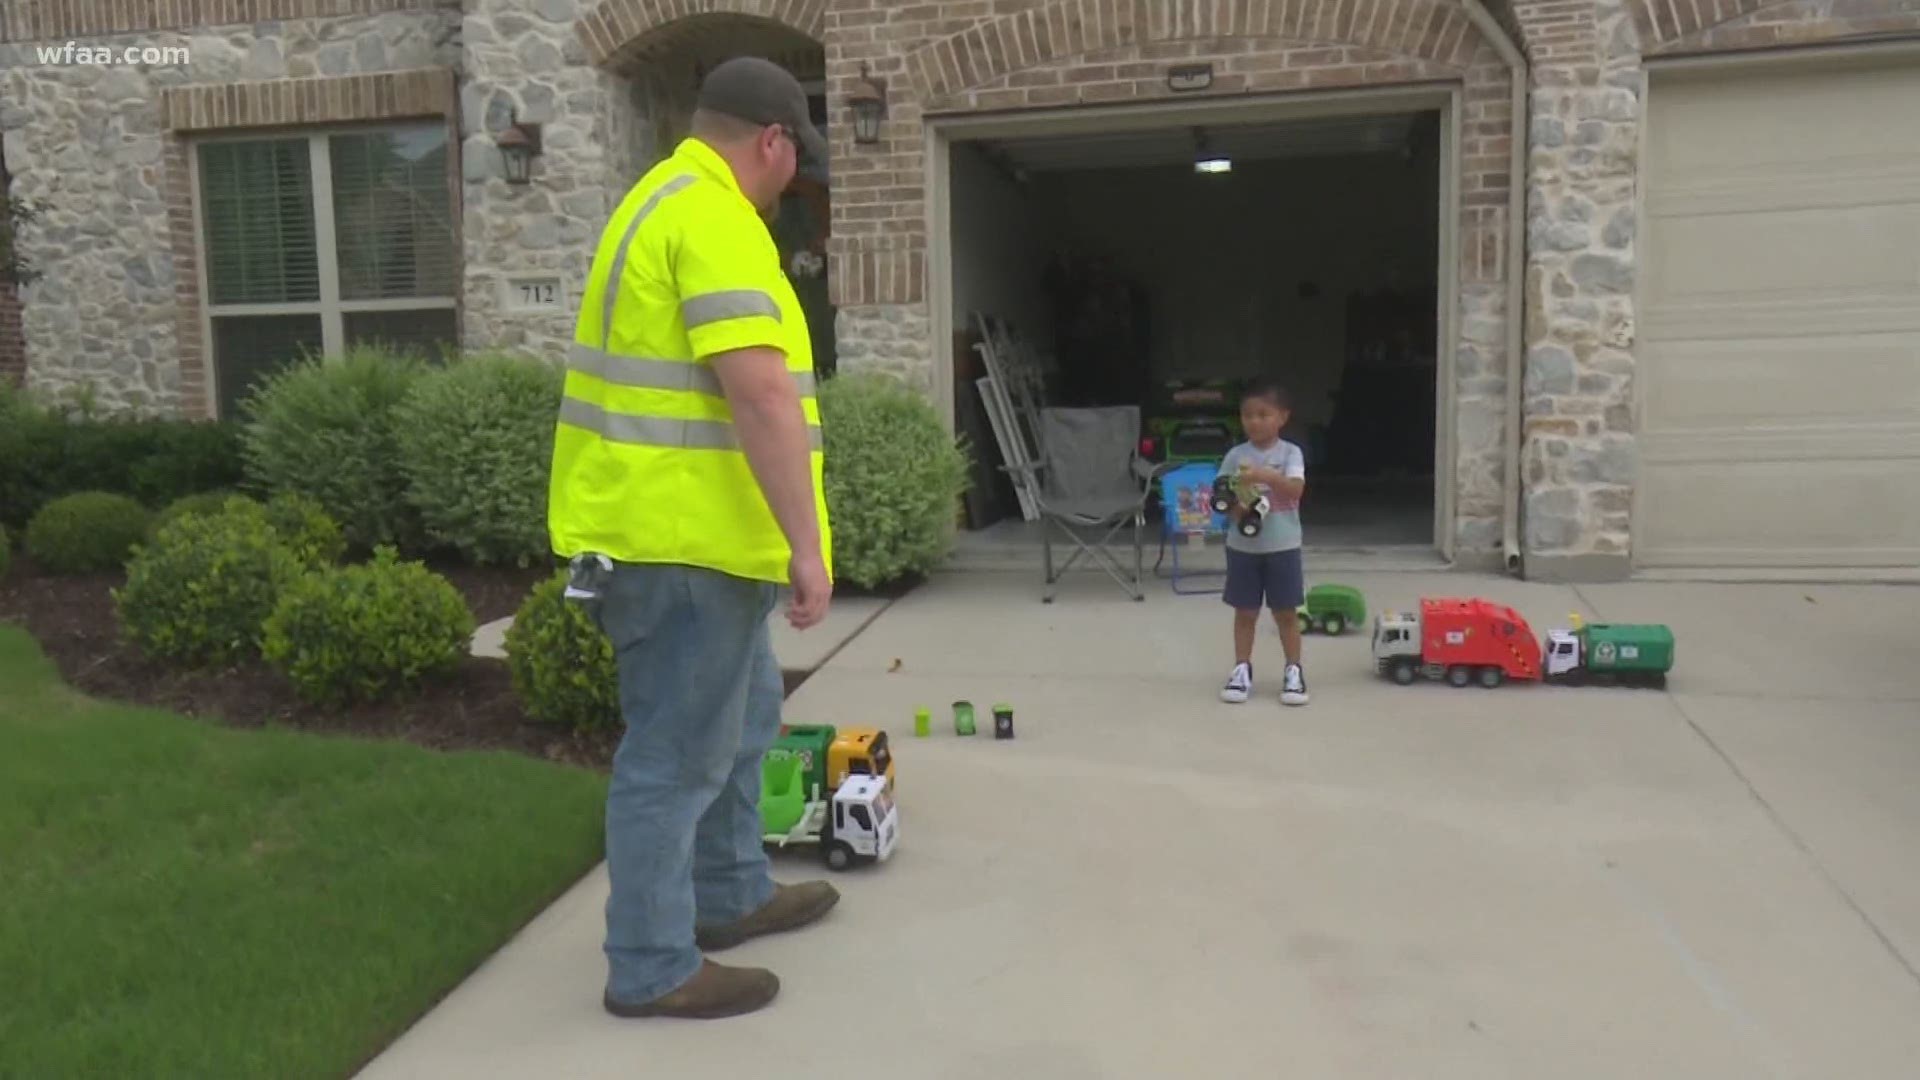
(1275, 580)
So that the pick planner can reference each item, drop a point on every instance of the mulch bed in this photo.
(73, 619)
(475, 709)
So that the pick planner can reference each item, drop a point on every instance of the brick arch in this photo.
(614, 27)
(1054, 33)
(1662, 23)
(1744, 24)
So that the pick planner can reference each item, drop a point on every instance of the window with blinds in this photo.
(257, 201)
(393, 214)
(319, 242)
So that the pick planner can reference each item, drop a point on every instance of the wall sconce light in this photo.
(519, 145)
(868, 99)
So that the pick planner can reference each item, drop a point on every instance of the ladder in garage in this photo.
(1013, 393)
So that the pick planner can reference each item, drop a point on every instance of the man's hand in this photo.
(812, 590)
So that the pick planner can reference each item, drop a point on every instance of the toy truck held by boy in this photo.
(1231, 491)
(1465, 641)
(830, 788)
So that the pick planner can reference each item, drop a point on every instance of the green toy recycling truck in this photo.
(1633, 655)
(832, 788)
(1331, 609)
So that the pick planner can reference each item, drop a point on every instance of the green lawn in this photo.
(181, 899)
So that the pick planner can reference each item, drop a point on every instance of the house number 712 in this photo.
(539, 292)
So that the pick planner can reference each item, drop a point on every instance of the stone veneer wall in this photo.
(117, 309)
(1578, 460)
(611, 104)
(522, 57)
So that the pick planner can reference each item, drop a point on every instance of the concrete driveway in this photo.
(1715, 881)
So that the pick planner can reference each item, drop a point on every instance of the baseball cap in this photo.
(762, 92)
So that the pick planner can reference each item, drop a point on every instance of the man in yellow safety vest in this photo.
(686, 489)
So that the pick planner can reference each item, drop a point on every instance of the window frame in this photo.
(331, 309)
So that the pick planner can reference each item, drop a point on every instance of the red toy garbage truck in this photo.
(1462, 641)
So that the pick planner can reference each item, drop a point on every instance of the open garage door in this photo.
(1780, 336)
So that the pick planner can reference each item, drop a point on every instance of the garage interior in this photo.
(1165, 268)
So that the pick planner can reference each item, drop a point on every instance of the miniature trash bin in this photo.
(963, 718)
(1003, 721)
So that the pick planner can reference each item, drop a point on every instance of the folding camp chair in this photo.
(1090, 483)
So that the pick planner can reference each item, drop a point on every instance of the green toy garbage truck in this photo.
(1634, 655)
(833, 788)
(1331, 609)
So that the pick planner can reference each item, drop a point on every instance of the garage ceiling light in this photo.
(1205, 160)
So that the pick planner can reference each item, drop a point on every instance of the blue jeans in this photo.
(700, 692)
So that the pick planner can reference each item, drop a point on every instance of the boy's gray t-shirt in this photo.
(1280, 531)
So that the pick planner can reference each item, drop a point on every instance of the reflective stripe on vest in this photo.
(731, 304)
(659, 430)
(645, 373)
(650, 373)
(619, 270)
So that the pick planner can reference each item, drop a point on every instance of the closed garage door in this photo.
(1779, 383)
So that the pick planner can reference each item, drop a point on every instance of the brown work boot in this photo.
(792, 907)
(715, 991)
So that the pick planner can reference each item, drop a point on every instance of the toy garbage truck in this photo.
(1635, 655)
(1330, 609)
(1469, 640)
(831, 787)
(1463, 641)
(856, 823)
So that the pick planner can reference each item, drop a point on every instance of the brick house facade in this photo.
(1547, 449)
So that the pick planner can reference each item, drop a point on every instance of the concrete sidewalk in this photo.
(797, 650)
(1718, 881)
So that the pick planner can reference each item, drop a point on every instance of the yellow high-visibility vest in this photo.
(646, 467)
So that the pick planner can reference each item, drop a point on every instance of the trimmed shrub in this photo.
(892, 478)
(325, 429)
(562, 664)
(476, 444)
(205, 502)
(365, 633)
(200, 592)
(47, 453)
(181, 457)
(306, 528)
(86, 532)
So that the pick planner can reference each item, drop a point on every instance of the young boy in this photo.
(1264, 570)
